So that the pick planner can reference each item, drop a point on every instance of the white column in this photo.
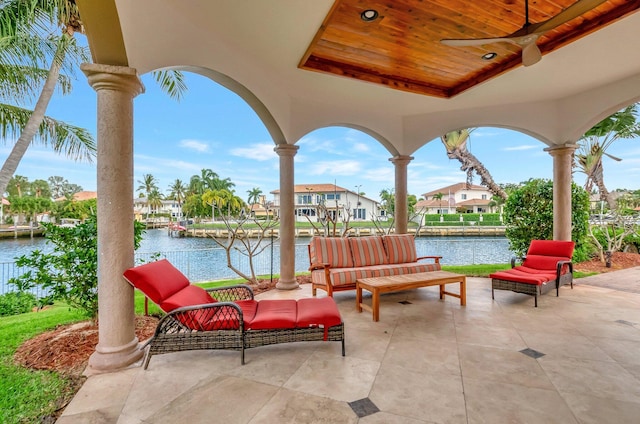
(562, 177)
(401, 212)
(287, 280)
(115, 87)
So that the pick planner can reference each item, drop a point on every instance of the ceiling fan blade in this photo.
(531, 54)
(577, 9)
(464, 42)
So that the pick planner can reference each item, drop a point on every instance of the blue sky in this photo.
(213, 128)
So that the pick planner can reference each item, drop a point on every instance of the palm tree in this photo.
(596, 141)
(456, 144)
(203, 182)
(154, 199)
(496, 202)
(148, 185)
(387, 200)
(178, 193)
(219, 184)
(215, 198)
(439, 196)
(254, 195)
(27, 49)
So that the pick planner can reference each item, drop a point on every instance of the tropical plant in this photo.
(496, 202)
(594, 144)
(387, 200)
(36, 57)
(254, 195)
(438, 197)
(198, 184)
(29, 50)
(178, 192)
(147, 185)
(528, 215)
(69, 272)
(456, 144)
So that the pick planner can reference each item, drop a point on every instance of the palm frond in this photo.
(171, 82)
(74, 142)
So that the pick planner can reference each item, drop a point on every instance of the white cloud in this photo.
(256, 151)
(522, 147)
(360, 147)
(337, 167)
(197, 145)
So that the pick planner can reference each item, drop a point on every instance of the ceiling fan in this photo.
(527, 36)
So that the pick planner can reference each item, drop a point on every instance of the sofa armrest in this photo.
(436, 259)
(314, 267)
(231, 293)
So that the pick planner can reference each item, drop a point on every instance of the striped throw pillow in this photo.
(334, 251)
(401, 248)
(367, 251)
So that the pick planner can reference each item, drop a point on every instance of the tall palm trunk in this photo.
(35, 120)
(455, 143)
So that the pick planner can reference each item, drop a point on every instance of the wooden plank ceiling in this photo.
(401, 48)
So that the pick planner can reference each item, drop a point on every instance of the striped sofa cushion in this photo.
(401, 248)
(367, 251)
(345, 276)
(334, 251)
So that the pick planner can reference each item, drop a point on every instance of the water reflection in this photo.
(201, 258)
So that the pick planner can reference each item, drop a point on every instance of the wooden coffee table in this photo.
(377, 285)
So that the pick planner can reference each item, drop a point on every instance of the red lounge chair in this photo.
(547, 265)
(227, 317)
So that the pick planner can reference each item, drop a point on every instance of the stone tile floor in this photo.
(574, 359)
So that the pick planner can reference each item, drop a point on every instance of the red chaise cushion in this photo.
(271, 314)
(157, 280)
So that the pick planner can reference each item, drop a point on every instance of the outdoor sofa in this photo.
(547, 266)
(336, 263)
(227, 317)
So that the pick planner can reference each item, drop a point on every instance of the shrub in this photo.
(70, 271)
(15, 303)
(528, 215)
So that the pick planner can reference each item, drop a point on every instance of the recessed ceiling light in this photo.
(369, 15)
(489, 56)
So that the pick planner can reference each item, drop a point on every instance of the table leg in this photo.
(441, 291)
(375, 304)
(358, 298)
(463, 291)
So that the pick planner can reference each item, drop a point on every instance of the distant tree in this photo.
(177, 192)
(411, 204)
(147, 185)
(40, 188)
(438, 197)
(456, 144)
(496, 202)
(222, 184)
(387, 201)
(154, 200)
(254, 195)
(198, 184)
(18, 186)
(56, 186)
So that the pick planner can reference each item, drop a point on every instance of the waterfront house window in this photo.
(359, 213)
(484, 197)
(463, 196)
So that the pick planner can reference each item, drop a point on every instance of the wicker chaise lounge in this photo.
(227, 317)
(547, 266)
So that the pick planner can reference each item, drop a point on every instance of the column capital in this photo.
(109, 77)
(567, 148)
(286, 149)
(401, 159)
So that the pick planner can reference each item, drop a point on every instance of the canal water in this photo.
(201, 259)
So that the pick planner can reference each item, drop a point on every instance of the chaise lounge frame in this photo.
(172, 335)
